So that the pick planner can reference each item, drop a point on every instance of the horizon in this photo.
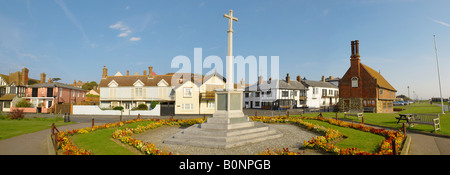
(73, 40)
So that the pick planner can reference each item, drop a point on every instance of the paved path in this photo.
(32, 143)
(36, 143)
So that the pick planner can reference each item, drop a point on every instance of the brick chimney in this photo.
(260, 79)
(355, 61)
(105, 72)
(50, 80)
(24, 78)
(42, 77)
(299, 78)
(150, 72)
(323, 78)
(128, 72)
(145, 72)
(288, 78)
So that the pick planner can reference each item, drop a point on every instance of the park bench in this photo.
(427, 119)
(354, 112)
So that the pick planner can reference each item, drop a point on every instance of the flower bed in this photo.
(68, 148)
(324, 142)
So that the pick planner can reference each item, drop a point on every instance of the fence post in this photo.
(287, 113)
(404, 129)
(336, 116)
(93, 121)
(256, 113)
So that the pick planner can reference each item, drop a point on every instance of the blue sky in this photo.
(74, 39)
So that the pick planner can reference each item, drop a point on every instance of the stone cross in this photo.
(230, 84)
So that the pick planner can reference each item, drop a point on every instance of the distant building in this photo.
(275, 94)
(361, 87)
(321, 93)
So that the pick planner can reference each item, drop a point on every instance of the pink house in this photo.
(44, 95)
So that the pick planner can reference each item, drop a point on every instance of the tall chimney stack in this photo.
(353, 50)
(145, 72)
(42, 77)
(288, 78)
(25, 76)
(150, 72)
(357, 49)
(299, 78)
(105, 72)
(128, 72)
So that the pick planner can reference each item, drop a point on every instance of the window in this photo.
(246, 94)
(285, 93)
(257, 94)
(138, 92)
(60, 92)
(324, 92)
(187, 106)
(381, 91)
(354, 82)
(78, 93)
(315, 90)
(269, 93)
(187, 92)
(257, 103)
(73, 93)
(211, 105)
(330, 92)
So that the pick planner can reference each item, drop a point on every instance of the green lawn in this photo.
(100, 142)
(365, 141)
(388, 119)
(11, 128)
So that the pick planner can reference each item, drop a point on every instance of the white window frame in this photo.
(187, 90)
(188, 106)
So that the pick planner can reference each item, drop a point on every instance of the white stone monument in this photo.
(228, 127)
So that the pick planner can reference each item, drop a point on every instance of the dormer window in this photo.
(354, 82)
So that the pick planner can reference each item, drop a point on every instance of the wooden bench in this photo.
(427, 119)
(354, 112)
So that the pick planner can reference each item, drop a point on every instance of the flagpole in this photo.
(439, 76)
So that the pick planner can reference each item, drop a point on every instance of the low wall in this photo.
(30, 110)
(95, 110)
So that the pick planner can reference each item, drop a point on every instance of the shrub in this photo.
(16, 114)
(153, 105)
(141, 107)
(23, 104)
(118, 108)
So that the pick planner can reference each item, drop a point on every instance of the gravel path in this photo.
(293, 138)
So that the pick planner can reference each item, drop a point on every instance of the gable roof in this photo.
(381, 82)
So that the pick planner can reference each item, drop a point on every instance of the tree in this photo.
(89, 86)
(55, 79)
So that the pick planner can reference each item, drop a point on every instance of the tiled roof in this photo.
(8, 97)
(380, 79)
(130, 80)
(319, 84)
(50, 85)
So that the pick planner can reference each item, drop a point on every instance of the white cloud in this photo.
(440, 22)
(135, 38)
(121, 27)
(72, 18)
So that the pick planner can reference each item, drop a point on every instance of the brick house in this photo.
(362, 87)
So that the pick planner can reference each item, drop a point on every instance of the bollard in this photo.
(287, 113)
(92, 122)
(362, 122)
(336, 116)
(394, 148)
